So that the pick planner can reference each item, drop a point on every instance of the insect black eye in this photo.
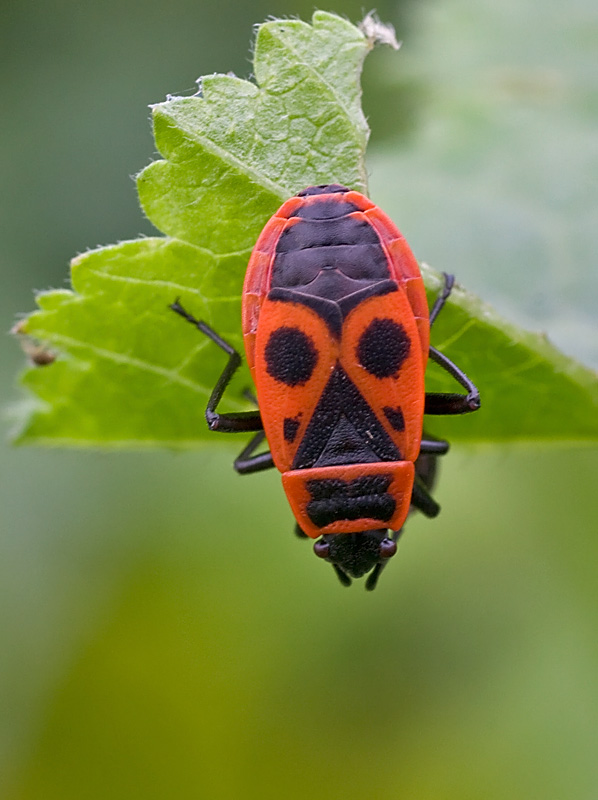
(321, 549)
(291, 356)
(387, 548)
(383, 347)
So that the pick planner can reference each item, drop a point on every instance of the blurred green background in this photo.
(162, 632)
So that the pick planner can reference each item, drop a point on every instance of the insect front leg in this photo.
(246, 463)
(449, 403)
(449, 282)
(233, 422)
(434, 447)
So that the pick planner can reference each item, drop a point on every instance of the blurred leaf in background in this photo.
(498, 185)
(163, 634)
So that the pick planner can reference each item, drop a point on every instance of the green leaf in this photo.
(236, 152)
(131, 374)
(530, 390)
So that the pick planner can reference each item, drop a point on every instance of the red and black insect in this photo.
(337, 336)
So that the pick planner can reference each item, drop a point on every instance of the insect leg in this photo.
(299, 533)
(451, 403)
(449, 281)
(234, 422)
(425, 467)
(342, 576)
(246, 462)
(436, 447)
(423, 500)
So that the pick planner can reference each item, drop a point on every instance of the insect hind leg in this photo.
(423, 500)
(246, 462)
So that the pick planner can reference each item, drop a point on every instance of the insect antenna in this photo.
(342, 576)
(372, 579)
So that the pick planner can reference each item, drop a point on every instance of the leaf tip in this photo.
(377, 32)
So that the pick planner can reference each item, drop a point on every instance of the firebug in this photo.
(337, 335)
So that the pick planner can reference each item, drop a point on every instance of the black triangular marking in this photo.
(342, 412)
(345, 446)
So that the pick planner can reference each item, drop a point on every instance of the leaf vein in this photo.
(320, 77)
(457, 335)
(146, 282)
(129, 361)
(236, 163)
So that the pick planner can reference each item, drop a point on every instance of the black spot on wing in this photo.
(395, 417)
(291, 356)
(290, 426)
(383, 347)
